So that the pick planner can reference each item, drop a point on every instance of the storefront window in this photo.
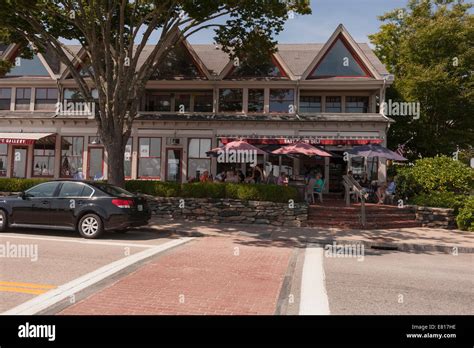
(3, 159)
(282, 100)
(5, 98)
(46, 98)
(230, 99)
(72, 150)
(256, 100)
(333, 104)
(198, 161)
(149, 161)
(127, 159)
(309, 103)
(43, 156)
(357, 166)
(357, 104)
(23, 98)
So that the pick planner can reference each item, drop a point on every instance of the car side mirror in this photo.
(22, 195)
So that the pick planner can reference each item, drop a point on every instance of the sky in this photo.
(358, 16)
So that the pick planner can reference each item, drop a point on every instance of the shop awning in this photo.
(22, 138)
(309, 140)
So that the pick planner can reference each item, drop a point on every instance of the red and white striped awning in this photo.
(22, 138)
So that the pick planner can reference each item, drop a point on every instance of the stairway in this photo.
(334, 213)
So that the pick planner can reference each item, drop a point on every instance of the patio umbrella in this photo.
(375, 151)
(237, 145)
(301, 149)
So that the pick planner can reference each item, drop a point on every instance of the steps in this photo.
(334, 213)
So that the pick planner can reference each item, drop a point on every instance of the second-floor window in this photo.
(256, 100)
(22, 98)
(203, 102)
(158, 102)
(230, 99)
(5, 98)
(357, 104)
(46, 98)
(333, 104)
(282, 100)
(309, 104)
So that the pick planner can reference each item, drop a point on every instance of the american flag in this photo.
(400, 149)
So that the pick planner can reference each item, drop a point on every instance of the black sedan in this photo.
(88, 207)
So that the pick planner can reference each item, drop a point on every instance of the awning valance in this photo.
(309, 140)
(22, 138)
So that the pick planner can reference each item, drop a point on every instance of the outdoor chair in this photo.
(319, 193)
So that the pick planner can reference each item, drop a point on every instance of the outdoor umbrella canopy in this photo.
(237, 145)
(375, 151)
(301, 149)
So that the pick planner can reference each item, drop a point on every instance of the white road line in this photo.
(314, 298)
(50, 298)
(80, 241)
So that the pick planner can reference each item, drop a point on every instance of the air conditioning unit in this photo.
(173, 141)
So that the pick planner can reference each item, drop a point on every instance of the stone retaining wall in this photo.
(436, 217)
(230, 211)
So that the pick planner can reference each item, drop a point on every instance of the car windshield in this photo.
(113, 190)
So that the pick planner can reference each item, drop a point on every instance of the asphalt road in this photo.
(401, 283)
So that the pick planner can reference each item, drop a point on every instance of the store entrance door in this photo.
(173, 165)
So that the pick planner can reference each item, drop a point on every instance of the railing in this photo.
(351, 186)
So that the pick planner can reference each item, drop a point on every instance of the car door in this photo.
(71, 196)
(34, 207)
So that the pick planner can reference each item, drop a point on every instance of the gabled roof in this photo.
(342, 34)
(52, 70)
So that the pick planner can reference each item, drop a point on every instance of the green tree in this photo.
(113, 35)
(429, 47)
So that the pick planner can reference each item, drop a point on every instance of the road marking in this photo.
(80, 241)
(314, 298)
(25, 288)
(52, 297)
(27, 285)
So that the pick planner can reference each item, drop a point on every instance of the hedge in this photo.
(440, 200)
(256, 192)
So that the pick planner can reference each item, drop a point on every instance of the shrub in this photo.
(440, 200)
(436, 174)
(255, 192)
(17, 185)
(465, 218)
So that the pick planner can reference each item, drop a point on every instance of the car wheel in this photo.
(3, 220)
(90, 226)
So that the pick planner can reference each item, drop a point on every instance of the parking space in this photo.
(37, 261)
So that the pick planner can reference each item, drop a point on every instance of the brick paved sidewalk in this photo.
(210, 275)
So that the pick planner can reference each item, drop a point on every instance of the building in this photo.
(326, 94)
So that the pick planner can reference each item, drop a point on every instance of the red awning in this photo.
(289, 141)
(22, 138)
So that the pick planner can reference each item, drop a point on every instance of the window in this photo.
(177, 65)
(182, 102)
(43, 190)
(149, 161)
(256, 100)
(255, 67)
(46, 98)
(3, 159)
(339, 61)
(28, 67)
(73, 189)
(127, 159)
(198, 161)
(282, 100)
(357, 104)
(43, 156)
(309, 103)
(230, 99)
(158, 102)
(333, 104)
(23, 98)
(72, 150)
(203, 102)
(5, 98)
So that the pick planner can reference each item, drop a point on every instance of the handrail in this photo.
(351, 184)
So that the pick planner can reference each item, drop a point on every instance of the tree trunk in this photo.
(115, 162)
